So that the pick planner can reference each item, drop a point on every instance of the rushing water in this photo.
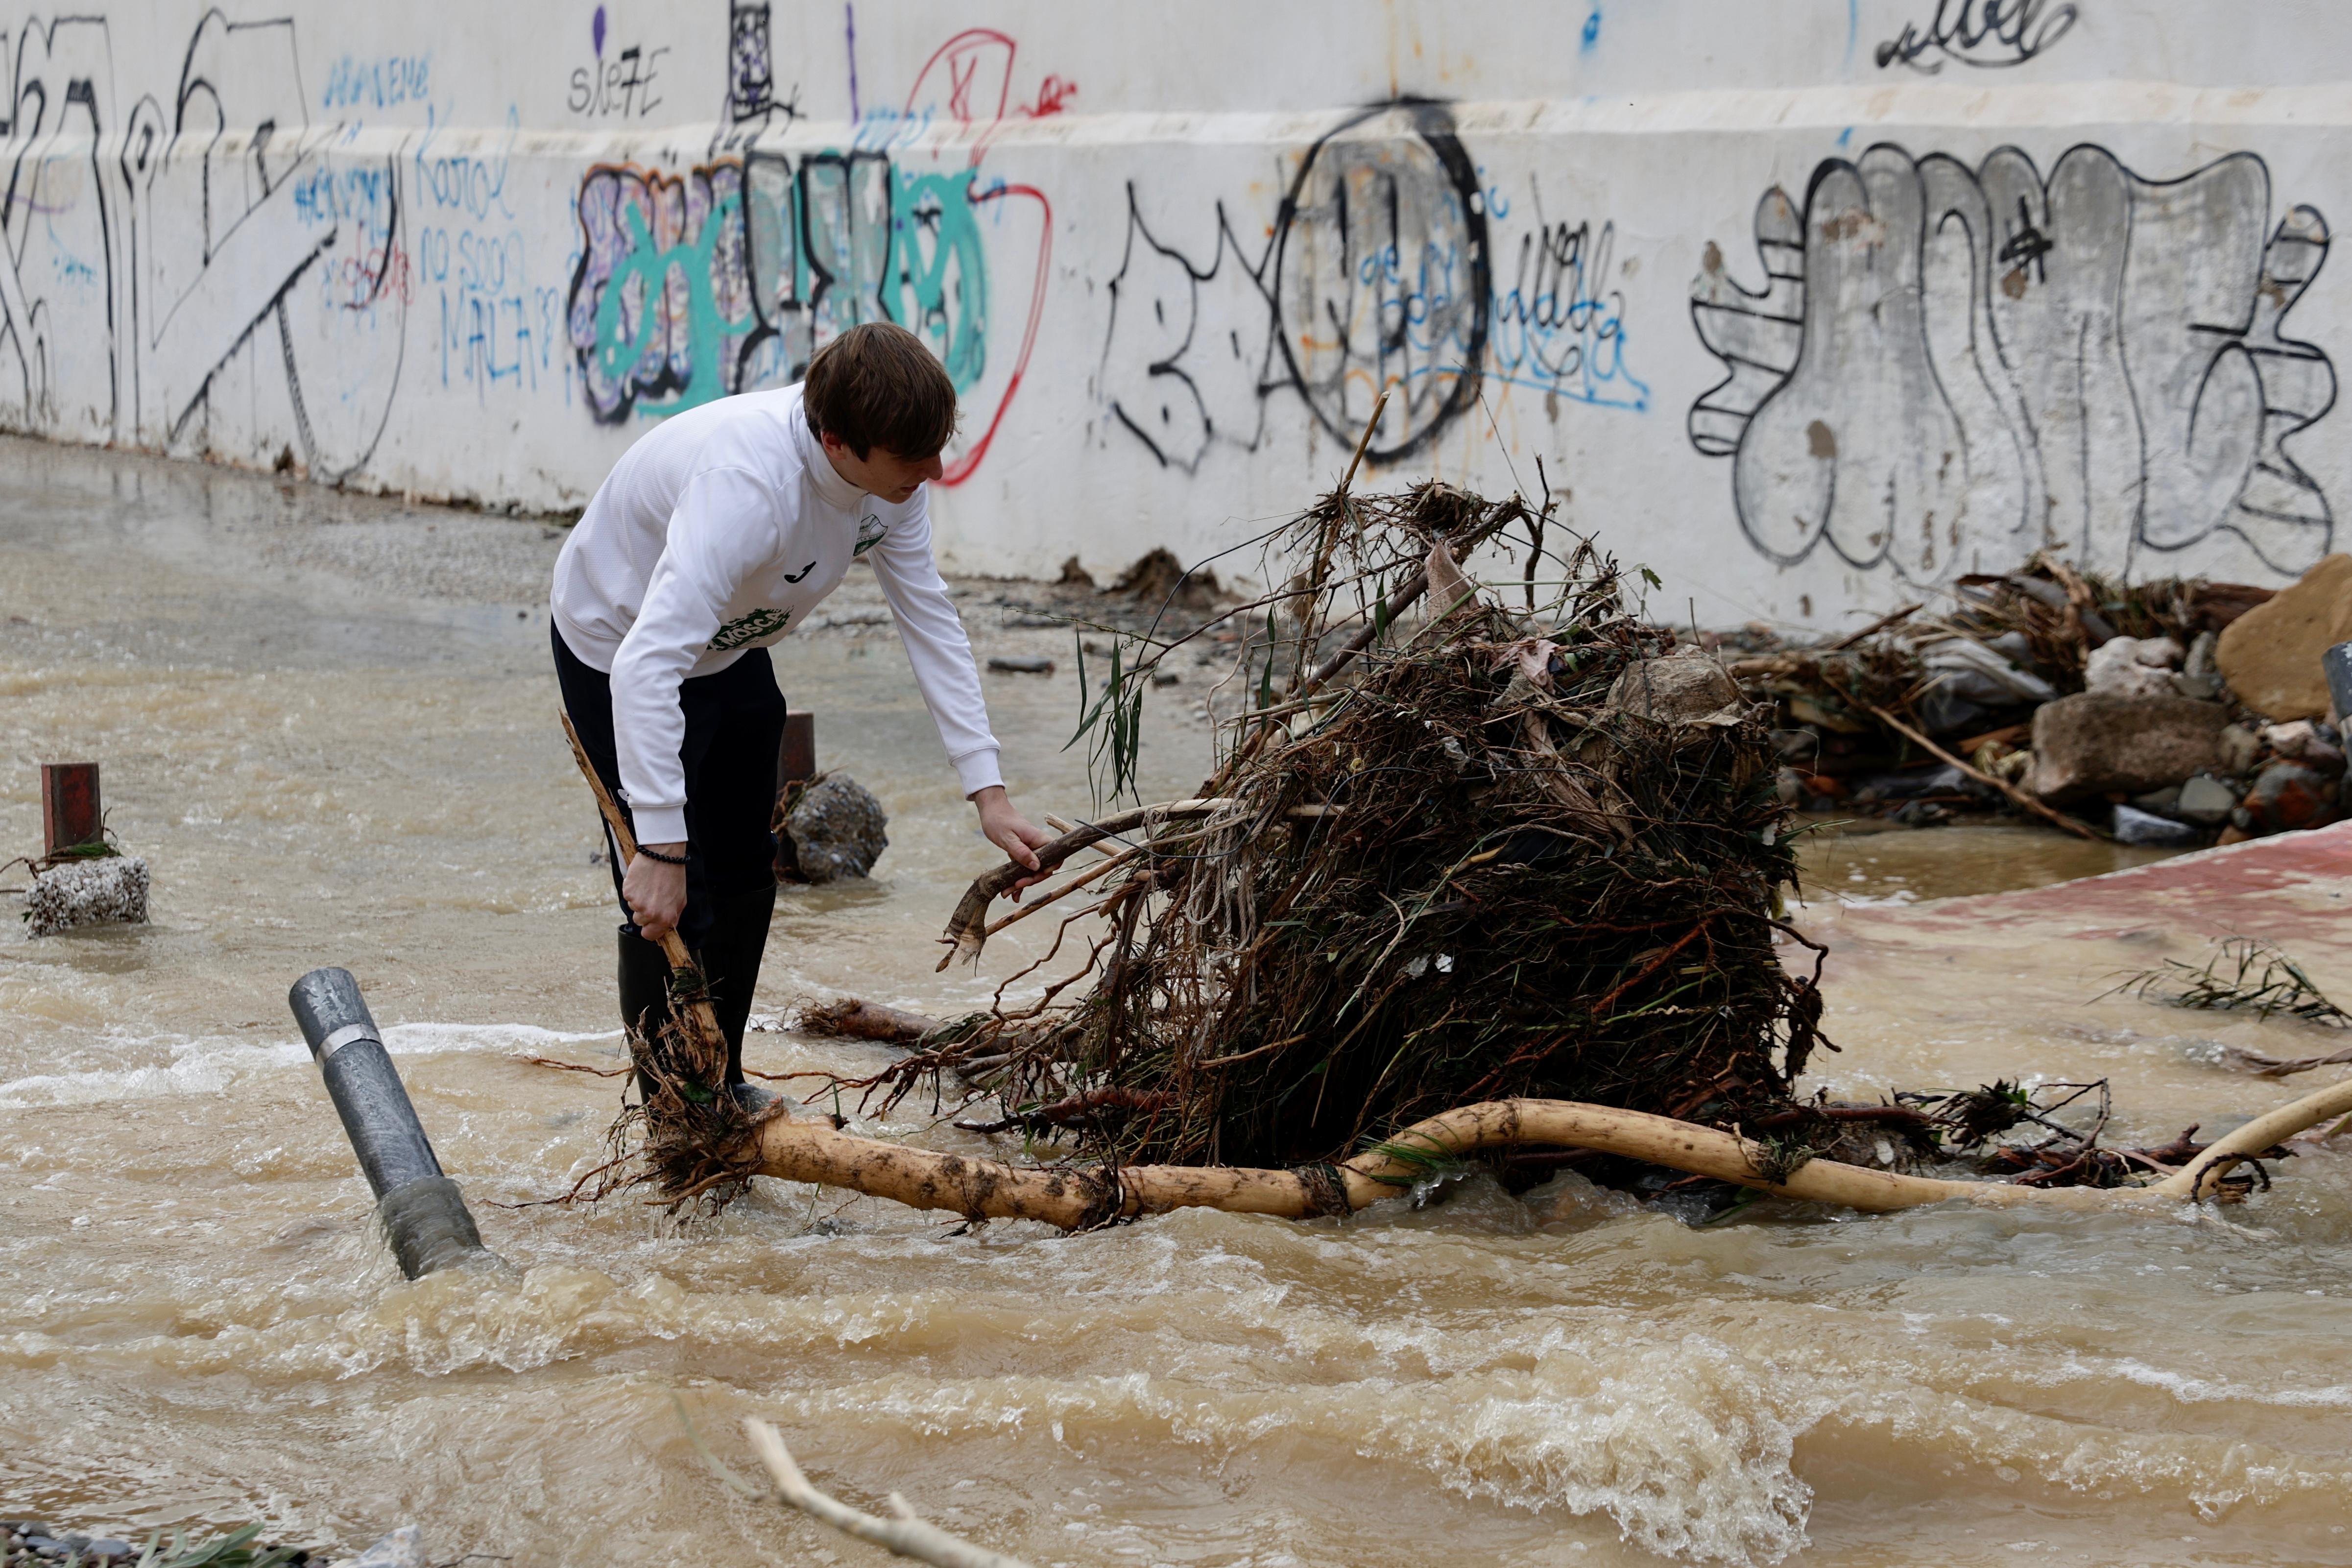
(329, 726)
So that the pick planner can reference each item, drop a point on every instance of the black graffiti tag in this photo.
(1990, 33)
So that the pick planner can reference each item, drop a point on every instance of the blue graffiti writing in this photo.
(355, 83)
(460, 180)
(494, 326)
(1554, 332)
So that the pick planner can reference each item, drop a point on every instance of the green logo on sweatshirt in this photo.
(871, 531)
(749, 628)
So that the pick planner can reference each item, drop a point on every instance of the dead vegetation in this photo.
(1471, 855)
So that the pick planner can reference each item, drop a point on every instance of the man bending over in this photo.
(714, 536)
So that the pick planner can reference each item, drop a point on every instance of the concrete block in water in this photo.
(2089, 744)
(108, 891)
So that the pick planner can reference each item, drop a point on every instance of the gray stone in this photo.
(837, 829)
(108, 1547)
(2205, 800)
(2203, 688)
(2149, 830)
(2159, 800)
(2240, 749)
(2087, 744)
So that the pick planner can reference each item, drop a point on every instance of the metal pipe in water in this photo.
(423, 1214)
(2337, 665)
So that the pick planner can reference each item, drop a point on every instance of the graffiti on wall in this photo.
(222, 238)
(1950, 368)
(1386, 265)
(1988, 34)
(728, 276)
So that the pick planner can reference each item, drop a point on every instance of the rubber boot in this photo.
(730, 956)
(644, 993)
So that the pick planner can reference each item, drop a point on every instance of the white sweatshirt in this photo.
(721, 530)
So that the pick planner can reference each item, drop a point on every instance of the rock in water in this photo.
(836, 828)
(2290, 796)
(2206, 801)
(2270, 655)
(2150, 831)
(2088, 744)
(109, 891)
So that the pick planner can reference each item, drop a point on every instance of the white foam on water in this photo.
(2192, 1390)
(212, 1063)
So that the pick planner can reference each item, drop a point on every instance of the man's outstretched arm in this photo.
(949, 678)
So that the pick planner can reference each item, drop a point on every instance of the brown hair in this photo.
(877, 386)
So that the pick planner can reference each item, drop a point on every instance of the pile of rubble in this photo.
(2175, 713)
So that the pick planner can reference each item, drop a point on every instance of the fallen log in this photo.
(1079, 1197)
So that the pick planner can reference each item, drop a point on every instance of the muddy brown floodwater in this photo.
(329, 724)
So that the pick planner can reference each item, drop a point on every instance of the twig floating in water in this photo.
(905, 1536)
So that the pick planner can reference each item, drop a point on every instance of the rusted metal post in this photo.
(70, 813)
(797, 757)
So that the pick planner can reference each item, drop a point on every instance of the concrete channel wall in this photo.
(1808, 307)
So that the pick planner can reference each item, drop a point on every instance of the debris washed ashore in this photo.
(1466, 879)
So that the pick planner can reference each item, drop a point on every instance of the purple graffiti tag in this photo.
(597, 31)
(849, 19)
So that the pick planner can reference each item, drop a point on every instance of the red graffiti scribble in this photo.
(963, 466)
(1053, 95)
(964, 56)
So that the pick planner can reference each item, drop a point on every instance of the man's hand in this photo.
(656, 893)
(1012, 833)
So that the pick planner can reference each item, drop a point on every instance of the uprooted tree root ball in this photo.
(1492, 856)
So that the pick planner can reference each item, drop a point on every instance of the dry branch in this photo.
(968, 926)
(904, 1536)
(2025, 801)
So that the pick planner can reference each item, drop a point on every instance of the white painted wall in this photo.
(1804, 331)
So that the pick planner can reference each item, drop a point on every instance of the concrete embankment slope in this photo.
(1809, 305)
(2021, 985)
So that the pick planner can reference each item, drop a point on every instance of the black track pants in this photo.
(734, 723)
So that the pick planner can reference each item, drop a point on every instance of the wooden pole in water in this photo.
(698, 1016)
(71, 815)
